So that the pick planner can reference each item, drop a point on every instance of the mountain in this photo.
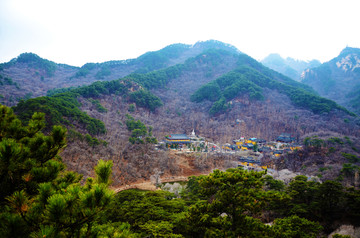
(222, 94)
(29, 75)
(114, 125)
(290, 67)
(338, 79)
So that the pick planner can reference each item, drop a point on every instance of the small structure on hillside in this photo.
(195, 139)
(285, 138)
(179, 139)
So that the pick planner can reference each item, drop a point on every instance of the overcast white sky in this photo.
(79, 31)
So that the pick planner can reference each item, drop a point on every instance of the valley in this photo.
(182, 101)
(232, 111)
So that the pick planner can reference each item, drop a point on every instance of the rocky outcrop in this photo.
(344, 230)
(338, 79)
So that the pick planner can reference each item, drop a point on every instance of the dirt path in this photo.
(147, 185)
(185, 163)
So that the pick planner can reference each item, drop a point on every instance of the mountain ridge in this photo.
(338, 79)
(290, 67)
(35, 76)
(96, 114)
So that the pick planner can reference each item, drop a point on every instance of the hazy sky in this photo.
(79, 31)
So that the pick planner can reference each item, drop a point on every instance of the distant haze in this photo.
(77, 32)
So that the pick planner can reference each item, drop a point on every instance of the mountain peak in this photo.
(217, 45)
(349, 50)
(349, 59)
(290, 67)
(338, 79)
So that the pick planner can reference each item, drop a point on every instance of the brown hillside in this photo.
(262, 119)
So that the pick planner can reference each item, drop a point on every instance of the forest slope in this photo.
(338, 79)
(29, 75)
(163, 99)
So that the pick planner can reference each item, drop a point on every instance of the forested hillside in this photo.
(29, 75)
(338, 79)
(115, 125)
(207, 93)
(43, 199)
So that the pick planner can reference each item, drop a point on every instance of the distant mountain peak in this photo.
(217, 45)
(27, 57)
(348, 59)
(349, 50)
(338, 79)
(349, 62)
(290, 67)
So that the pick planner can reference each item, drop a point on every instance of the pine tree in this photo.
(38, 197)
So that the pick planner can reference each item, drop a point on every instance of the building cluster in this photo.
(285, 143)
(183, 141)
(256, 147)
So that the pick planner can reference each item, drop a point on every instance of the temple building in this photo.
(177, 139)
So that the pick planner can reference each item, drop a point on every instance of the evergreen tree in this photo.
(38, 198)
(226, 204)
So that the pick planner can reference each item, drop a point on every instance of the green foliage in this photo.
(250, 78)
(210, 91)
(351, 158)
(348, 170)
(219, 106)
(298, 95)
(52, 92)
(322, 169)
(354, 99)
(7, 81)
(226, 88)
(132, 124)
(329, 202)
(144, 98)
(234, 84)
(92, 141)
(156, 79)
(323, 202)
(336, 140)
(38, 198)
(347, 140)
(85, 70)
(228, 202)
(103, 72)
(147, 212)
(103, 171)
(159, 59)
(27, 157)
(139, 133)
(352, 203)
(160, 78)
(341, 236)
(35, 61)
(60, 109)
(63, 108)
(98, 106)
(159, 229)
(274, 184)
(102, 88)
(302, 193)
(314, 141)
(131, 108)
(295, 226)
